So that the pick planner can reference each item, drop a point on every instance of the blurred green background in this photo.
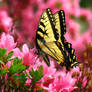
(86, 4)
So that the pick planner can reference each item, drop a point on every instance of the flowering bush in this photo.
(20, 67)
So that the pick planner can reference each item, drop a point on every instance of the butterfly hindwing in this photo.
(69, 52)
(60, 23)
(72, 58)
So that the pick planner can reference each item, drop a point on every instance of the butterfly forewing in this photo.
(46, 33)
(46, 29)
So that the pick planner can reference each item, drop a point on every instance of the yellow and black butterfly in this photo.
(50, 40)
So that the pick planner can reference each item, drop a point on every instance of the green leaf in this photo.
(40, 69)
(40, 90)
(3, 72)
(1, 62)
(27, 66)
(37, 74)
(10, 54)
(16, 68)
(21, 78)
(2, 52)
(86, 4)
(16, 60)
(4, 58)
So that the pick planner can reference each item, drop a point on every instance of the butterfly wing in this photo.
(69, 52)
(52, 49)
(50, 39)
(60, 23)
(46, 33)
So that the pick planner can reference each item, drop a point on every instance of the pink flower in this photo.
(63, 82)
(75, 69)
(7, 42)
(17, 53)
(21, 5)
(5, 21)
(57, 81)
(48, 74)
(48, 70)
(86, 13)
(29, 56)
(84, 81)
(47, 4)
(72, 31)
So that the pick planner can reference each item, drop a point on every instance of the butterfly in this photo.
(50, 40)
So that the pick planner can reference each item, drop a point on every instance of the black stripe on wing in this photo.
(71, 51)
(68, 47)
(40, 30)
(41, 23)
(40, 38)
(63, 51)
(62, 22)
(52, 21)
(70, 58)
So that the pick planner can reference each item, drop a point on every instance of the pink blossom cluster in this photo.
(53, 80)
(27, 15)
(5, 21)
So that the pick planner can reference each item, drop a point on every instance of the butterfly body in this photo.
(50, 40)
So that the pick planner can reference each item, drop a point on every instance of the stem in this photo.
(30, 77)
